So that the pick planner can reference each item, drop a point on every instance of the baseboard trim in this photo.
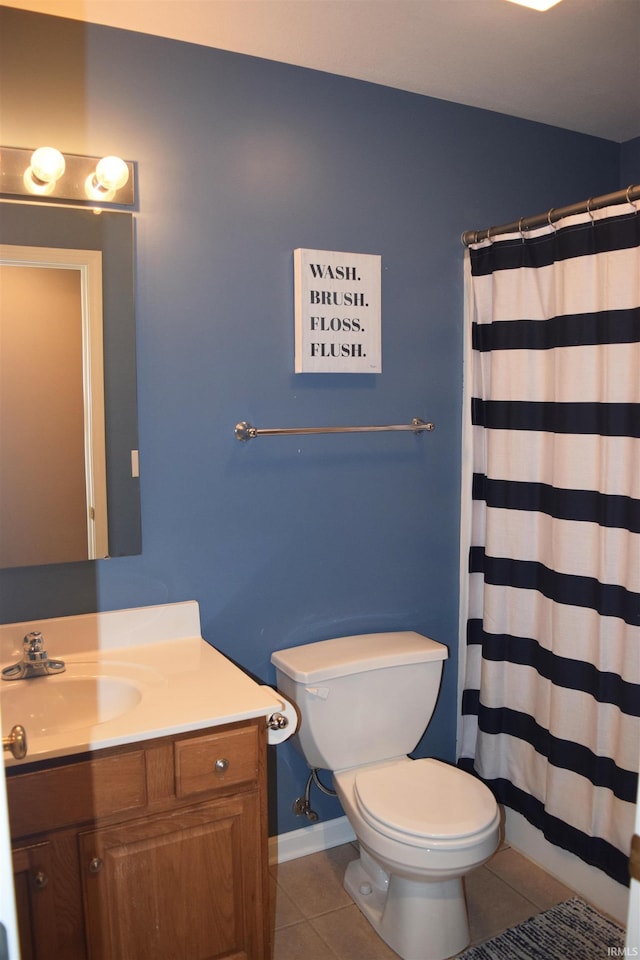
(312, 839)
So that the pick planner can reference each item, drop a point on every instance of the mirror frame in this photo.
(112, 233)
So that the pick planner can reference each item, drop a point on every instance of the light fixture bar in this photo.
(18, 179)
(541, 5)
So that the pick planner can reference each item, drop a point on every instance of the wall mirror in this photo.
(69, 489)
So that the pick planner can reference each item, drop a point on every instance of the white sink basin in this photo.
(54, 704)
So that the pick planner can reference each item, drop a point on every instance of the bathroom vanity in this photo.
(142, 836)
(153, 850)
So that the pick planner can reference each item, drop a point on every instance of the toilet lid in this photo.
(424, 798)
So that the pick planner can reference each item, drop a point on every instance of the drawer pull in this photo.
(40, 880)
(96, 865)
(221, 765)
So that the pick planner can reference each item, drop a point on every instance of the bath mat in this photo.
(570, 929)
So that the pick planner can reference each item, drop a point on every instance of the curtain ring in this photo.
(629, 200)
(550, 220)
(591, 216)
(520, 222)
(489, 234)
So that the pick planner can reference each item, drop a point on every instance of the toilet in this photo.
(364, 703)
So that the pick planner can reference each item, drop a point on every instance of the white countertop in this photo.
(185, 683)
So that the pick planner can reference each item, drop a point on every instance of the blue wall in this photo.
(240, 161)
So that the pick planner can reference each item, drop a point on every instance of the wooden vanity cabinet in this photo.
(151, 851)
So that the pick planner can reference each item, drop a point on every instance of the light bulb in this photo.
(38, 187)
(112, 173)
(95, 190)
(47, 164)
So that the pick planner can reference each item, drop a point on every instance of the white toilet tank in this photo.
(363, 698)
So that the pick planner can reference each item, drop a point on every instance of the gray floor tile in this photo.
(315, 918)
(301, 942)
(351, 936)
(529, 879)
(493, 905)
(314, 883)
(283, 909)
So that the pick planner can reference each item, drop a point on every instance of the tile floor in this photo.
(315, 919)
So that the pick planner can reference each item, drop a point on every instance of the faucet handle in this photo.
(33, 644)
(34, 641)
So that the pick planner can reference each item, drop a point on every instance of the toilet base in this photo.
(420, 920)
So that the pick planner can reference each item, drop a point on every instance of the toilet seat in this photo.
(422, 801)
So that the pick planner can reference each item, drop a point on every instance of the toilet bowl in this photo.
(421, 825)
(364, 702)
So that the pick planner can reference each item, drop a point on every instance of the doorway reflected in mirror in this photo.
(53, 492)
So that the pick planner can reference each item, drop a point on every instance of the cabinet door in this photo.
(35, 907)
(176, 886)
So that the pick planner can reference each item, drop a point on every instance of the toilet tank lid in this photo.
(326, 659)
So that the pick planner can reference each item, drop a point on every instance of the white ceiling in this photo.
(576, 66)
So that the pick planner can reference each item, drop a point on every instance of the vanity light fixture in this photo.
(46, 175)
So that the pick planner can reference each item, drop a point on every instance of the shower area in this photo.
(550, 556)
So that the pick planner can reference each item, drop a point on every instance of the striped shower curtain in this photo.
(551, 599)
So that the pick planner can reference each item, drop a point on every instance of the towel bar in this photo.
(244, 430)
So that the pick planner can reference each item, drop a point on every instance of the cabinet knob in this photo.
(40, 880)
(16, 742)
(221, 765)
(96, 865)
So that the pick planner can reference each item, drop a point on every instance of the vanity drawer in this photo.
(217, 761)
(48, 799)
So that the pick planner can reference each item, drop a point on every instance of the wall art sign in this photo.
(337, 312)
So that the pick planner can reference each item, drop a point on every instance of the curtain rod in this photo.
(542, 219)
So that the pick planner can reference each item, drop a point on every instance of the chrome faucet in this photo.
(35, 660)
